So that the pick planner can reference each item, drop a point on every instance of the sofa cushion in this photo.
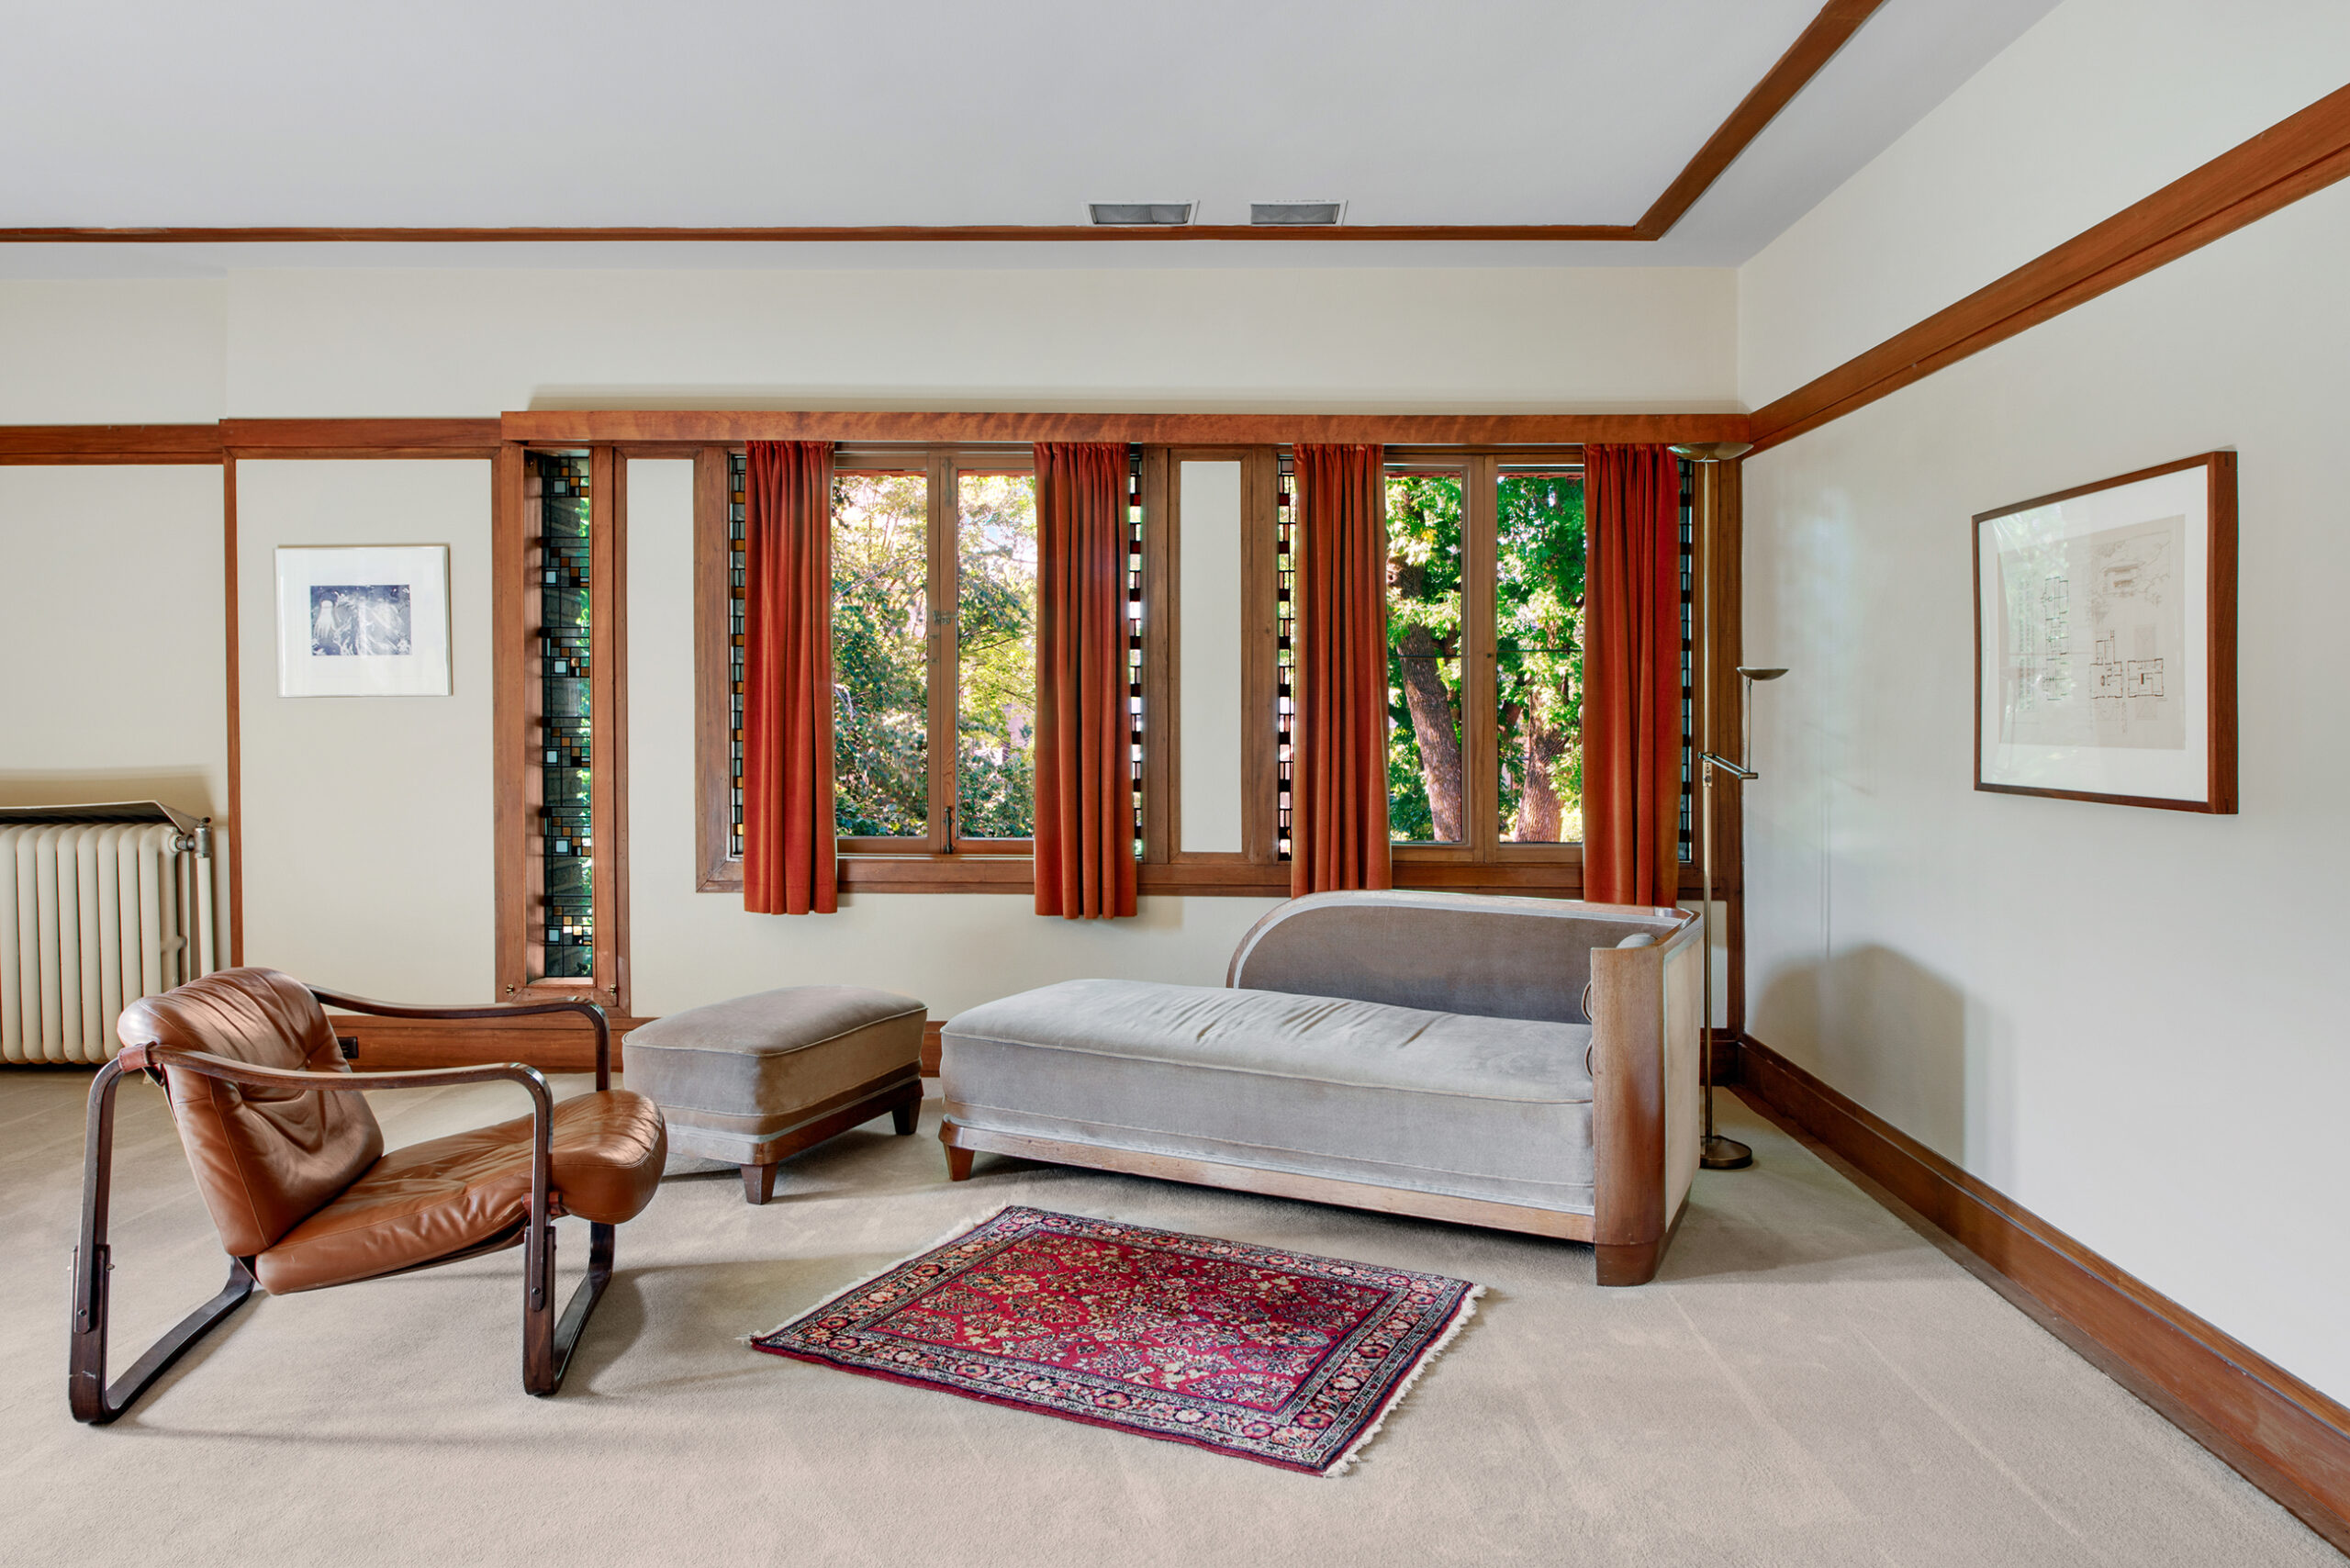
(759, 1064)
(1494, 1108)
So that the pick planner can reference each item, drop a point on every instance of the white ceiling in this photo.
(732, 112)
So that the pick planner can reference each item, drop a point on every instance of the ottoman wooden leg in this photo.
(758, 1183)
(959, 1164)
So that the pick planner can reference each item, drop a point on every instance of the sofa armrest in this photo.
(1645, 1105)
(1496, 958)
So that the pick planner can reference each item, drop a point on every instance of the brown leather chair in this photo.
(292, 1165)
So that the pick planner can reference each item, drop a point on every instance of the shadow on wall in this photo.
(188, 792)
(1882, 1028)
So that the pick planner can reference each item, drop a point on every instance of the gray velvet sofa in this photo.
(1416, 1053)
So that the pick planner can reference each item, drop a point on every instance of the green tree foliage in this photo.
(881, 678)
(1538, 638)
(1539, 611)
(995, 635)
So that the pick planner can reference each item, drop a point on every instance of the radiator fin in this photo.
(92, 916)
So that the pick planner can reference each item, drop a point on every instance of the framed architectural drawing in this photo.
(2105, 641)
(367, 621)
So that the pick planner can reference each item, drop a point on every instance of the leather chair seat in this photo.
(472, 1190)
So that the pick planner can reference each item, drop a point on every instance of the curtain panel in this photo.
(1339, 768)
(1085, 821)
(789, 859)
(1631, 705)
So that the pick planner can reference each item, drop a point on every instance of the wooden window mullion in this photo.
(1480, 660)
(943, 664)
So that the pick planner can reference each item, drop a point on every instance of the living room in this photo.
(1852, 277)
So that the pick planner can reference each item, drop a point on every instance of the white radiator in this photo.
(95, 914)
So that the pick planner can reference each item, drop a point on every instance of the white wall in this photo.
(2127, 1019)
(952, 951)
(112, 638)
(368, 828)
(441, 342)
(142, 351)
(2101, 104)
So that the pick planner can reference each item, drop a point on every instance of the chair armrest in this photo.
(154, 1058)
(594, 1014)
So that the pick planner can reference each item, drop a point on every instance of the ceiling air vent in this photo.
(1301, 214)
(1130, 213)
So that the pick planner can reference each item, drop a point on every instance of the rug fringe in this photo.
(1467, 1310)
(968, 1224)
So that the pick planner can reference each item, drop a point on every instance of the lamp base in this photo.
(1719, 1153)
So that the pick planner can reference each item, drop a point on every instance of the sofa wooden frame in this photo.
(547, 1344)
(1645, 1007)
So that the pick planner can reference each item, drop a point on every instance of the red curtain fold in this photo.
(1339, 768)
(1085, 821)
(1631, 673)
(788, 862)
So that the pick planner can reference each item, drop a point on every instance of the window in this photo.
(935, 619)
(558, 549)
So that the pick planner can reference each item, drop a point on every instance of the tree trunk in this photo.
(1433, 727)
(1539, 810)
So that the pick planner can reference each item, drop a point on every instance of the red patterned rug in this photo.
(1279, 1357)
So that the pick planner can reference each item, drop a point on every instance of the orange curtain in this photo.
(1339, 772)
(1631, 672)
(1085, 818)
(788, 853)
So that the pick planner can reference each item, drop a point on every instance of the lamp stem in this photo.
(1715, 1152)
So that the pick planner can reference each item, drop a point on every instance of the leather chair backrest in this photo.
(265, 1159)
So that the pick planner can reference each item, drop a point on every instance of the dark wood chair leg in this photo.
(959, 1164)
(902, 1117)
(547, 1343)
(758, 1183)
(87, 1393)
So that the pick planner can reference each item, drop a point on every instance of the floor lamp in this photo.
(1716, 1152)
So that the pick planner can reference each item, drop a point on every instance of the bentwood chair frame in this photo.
(547, 1344)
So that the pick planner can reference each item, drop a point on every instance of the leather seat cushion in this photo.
(448, 1194)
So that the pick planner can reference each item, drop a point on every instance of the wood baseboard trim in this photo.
(550, 1043)
(2269, 1425)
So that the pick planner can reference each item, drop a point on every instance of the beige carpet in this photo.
(1809, 1383)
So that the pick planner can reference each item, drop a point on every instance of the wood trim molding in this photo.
(2301, 153)
(233, 830)
(561, 1043)
(1813, 48)
(631, 427)
(63, 445)
(2280, 1434)
(360, 437)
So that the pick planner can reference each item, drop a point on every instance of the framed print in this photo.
(364, 620)
(2105, 641)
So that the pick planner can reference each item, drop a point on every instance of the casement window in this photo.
(1484, 633)
(559, 691)
(934, 652)
(934, 626)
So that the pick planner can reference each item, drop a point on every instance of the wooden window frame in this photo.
(515, 699)
(1484, 864)
(942, 860)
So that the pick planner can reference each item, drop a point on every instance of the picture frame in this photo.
(2105, 641)
(363, 621)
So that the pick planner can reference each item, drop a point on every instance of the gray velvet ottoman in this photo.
(754, 1081)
